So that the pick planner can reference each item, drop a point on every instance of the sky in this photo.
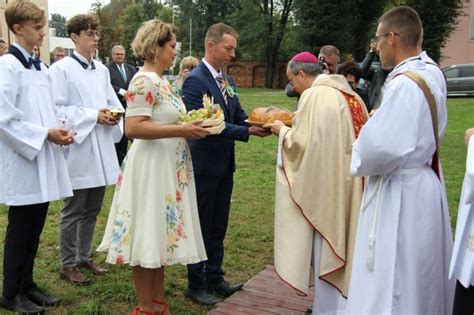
(69, 8)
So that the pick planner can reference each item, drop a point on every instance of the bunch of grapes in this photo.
(209, 111)
(195, 115)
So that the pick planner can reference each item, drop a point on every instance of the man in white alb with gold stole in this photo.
(404, 240)
(317, 201)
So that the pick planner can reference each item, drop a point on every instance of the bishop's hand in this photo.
(275, 127)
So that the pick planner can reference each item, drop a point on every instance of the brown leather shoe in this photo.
(74, 276)
(92, 267)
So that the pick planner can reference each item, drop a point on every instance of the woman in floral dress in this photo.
(153, 220)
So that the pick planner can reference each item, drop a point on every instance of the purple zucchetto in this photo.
(305, 56)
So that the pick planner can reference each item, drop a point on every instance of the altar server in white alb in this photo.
(83, 96)
(33, 171)
(404, 239)
(462, 261)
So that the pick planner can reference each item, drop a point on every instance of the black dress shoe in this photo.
(39, 297)
(224, 288)
(202, 297)
(21, 304)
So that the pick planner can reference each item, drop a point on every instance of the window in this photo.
(452, 73)
(467, 72)
(471, 24)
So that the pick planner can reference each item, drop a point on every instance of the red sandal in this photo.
(138, 310)
(165, 308)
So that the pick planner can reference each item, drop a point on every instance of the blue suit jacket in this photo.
(214, 155)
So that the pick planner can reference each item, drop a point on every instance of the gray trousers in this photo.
(76, 229)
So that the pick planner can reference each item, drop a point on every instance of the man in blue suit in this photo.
(214, 161)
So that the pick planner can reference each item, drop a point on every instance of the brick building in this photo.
(250, 74)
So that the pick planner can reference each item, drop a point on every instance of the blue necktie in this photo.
(122, 72)
(36, 63)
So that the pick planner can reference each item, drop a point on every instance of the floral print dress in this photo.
(153, 220)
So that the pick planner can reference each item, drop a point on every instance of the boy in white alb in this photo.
(83, 96)
(33, 171)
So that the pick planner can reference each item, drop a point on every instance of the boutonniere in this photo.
(175, 91)
(230, 89)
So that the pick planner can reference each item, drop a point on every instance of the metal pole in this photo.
(190, 35)
(172, 8)
(8, 29)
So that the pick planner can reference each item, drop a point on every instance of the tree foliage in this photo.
(164, 13)
(150, 8)
(346, 24)
(193, 18)
(247, 21)
(111, 28)
(439, 18)
(58, 22)
(275, 15)
(133, 16)
(120, 20)
(273, 30)
(261, 26)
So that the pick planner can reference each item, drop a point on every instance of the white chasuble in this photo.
(315, 194)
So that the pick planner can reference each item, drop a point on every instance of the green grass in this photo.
(249, 242)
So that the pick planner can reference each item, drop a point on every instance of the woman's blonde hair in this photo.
(188, 63)
(149, 36)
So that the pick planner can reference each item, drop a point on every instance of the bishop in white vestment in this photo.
(316, 200)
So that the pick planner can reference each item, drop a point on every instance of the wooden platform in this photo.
(264, 294)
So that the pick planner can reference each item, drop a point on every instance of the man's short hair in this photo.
(150, 35)
(116, 48)
(58, 49)
(82, 22)
(21, 11)
(216, 31)
(312, 69)
(350, 67)
(404, 21)
(328, 50)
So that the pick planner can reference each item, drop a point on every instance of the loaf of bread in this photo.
(270, 114)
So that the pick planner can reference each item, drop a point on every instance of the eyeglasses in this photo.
(376, 39)
(92, 34)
